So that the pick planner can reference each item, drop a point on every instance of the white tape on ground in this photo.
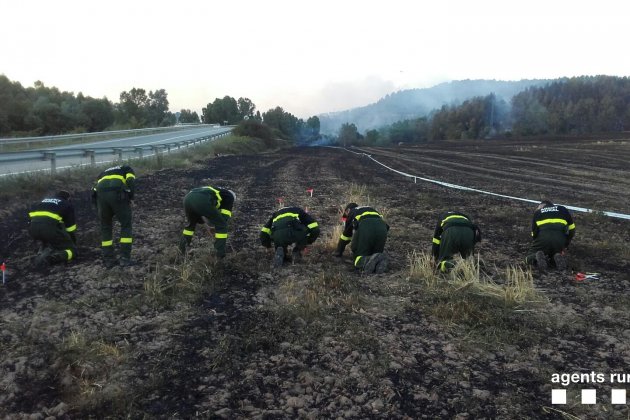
(463, 188)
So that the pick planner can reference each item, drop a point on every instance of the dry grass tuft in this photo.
(329, 290)
(184, 280)
(468, 298)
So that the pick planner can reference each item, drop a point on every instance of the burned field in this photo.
(173, 338)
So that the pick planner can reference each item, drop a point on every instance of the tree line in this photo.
(42, 110)
(571, 106)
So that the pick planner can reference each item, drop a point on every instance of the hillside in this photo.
(413, 103)
(236, 339)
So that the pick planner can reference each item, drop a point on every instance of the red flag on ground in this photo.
(310, 190)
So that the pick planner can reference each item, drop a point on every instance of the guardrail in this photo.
(53, 154)
(14, 140)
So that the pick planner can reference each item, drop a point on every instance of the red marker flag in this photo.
(310, 190)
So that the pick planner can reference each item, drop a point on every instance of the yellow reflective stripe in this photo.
(547, 221)
(312, 225)
(70, 254)
(45, 214)
(226, 212)
(295, 215)
(119, 177)
(129, 175)
(221, 235)
(266, 230)
(437, 241)
(188, 232)
(71, 228)
(107, 243)
(216, 193)
(125, 240)
(344, 237)
(443, 266)
(356, 260)
(572, 226)
(367, 213)
(455, 216)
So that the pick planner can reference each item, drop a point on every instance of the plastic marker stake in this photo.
(310, 190)
(3, 267)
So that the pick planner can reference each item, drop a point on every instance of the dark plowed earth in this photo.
(316, 339)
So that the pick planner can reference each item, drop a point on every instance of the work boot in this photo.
(297, 255)
(109, 262)
(126, 262)
(541, 261)
(370, 265)
(382, 265)
(561, 261)
(278, 259)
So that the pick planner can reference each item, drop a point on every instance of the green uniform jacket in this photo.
(289, 215)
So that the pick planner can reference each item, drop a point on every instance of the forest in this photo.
(41, 110)
(573, 106)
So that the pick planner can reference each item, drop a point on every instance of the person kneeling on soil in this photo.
(552, 231)
(289, 225)
(52, 222)
(208, 205)
(368, 242)
(454, 233)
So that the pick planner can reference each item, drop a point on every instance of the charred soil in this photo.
(173, 337)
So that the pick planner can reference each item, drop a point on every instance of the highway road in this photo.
(30, 161)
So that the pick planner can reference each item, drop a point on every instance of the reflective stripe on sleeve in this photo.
(437, 241)
(226, 212)
(344, 238)
(107, 243)
(572, 226)
(221, 235)
(125, 240)
(71, 228)
(357, 259)
(70, 254)
(312, 225)
(266, 230)
(188, 232)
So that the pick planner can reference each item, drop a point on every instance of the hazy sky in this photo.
(308, 57)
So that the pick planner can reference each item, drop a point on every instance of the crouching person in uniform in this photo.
(552, 231)
(208, 205)
(368, 242)
(454, 233)
(53, 223)
(113, 194)
(287, 226)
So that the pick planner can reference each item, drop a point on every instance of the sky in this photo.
(308, 57)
